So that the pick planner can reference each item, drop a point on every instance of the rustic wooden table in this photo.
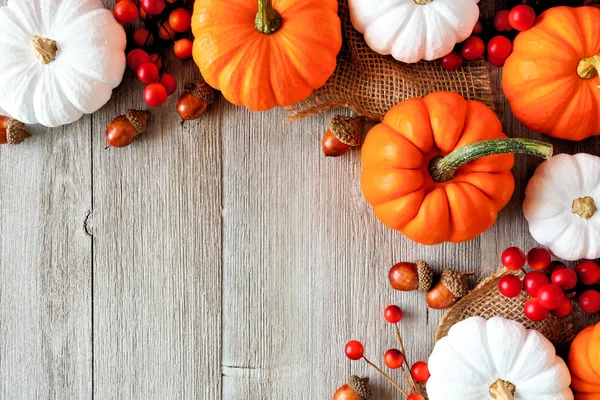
(221, 259)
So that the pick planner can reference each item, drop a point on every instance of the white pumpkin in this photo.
(414, 30)
(560, 206)
(60, 59)
(482, 359)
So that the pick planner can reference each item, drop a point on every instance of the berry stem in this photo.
(386, 376)
(407, 377)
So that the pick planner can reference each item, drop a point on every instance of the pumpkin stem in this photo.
(589, 67)
(502, 390)
(267, 21)
(422, 2)
(443, 169)
(585, 207)
(44, 49)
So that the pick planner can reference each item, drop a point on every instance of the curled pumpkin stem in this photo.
(268, 21)
(502, 390)
(443, 169)
(589, 67)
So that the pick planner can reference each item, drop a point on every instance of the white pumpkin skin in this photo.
(549, 201)
(477, 352)
(89, 64)
(412, 32)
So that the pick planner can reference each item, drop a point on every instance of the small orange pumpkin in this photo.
(551, 79)
(266, 53)
(432, 171)
(584, 363)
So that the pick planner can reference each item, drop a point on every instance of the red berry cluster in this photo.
(551, 285)
(163, 24)
(499, 47)
(393, 358)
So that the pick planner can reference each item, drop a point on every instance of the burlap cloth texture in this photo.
(486, 301)
(371, 84)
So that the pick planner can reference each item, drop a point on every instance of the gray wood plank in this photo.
(45, 266)
(157, 254)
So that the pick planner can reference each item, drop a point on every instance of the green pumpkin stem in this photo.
(589, 67)
(268, 21)
(443, 169)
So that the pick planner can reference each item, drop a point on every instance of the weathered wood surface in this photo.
(225, 259)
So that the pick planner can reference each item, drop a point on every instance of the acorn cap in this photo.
(16, 131)
(347, 130)
(201, 90)
(360, 386)
(139, 119)
(425, 274)
(456, 282)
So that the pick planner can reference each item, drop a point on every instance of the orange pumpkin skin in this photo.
(540, 78)
(396, 180)
(583, 363)
(262, 71)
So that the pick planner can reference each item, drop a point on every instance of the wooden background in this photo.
(222, 259)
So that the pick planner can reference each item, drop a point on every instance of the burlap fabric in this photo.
(486, 301)
(371, 84)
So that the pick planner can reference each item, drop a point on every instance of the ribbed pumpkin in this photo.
(584, 363)
(432, 171)
(551, 79)
(266, 53)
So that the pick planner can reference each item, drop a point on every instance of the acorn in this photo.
(407, 276)
(451, 287)
(343, 134)
(192, 104)
(124, 129)
(356, 389)
(12, 131)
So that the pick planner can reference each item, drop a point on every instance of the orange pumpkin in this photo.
(551, 79)
(266, 53)
(584, 363)
(431, 170)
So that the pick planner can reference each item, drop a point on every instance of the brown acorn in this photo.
(12, 131)
(407, 277)
(356, 389)
(192, 104)
(452, 286)
(344, 133)
(124, 129)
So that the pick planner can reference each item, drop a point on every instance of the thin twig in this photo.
(386, 376)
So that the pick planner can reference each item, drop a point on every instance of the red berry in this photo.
(589, 301)
(477, 29)
(169, 82)
(183, 49)
(513, 258)
(415, 396)
(354, 350)
(393, 314)
(522, 17)
(534, 311)
(452, 61)
(566, 279)
(136, 58)
(499, 47)
(155, 95)
(565, 308)
(539, 258)
(180, 20)
(153, 7)
(165, 31)
(555, 266)
(501, 22)
(148, 73)
(393, 358)
(143, 37)
(473, 48)
(510, 285)
(550, 296)
(157, 60)
(420, 372)
(496, 62)
(126, 12)
(588, 272)
(533, 281)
